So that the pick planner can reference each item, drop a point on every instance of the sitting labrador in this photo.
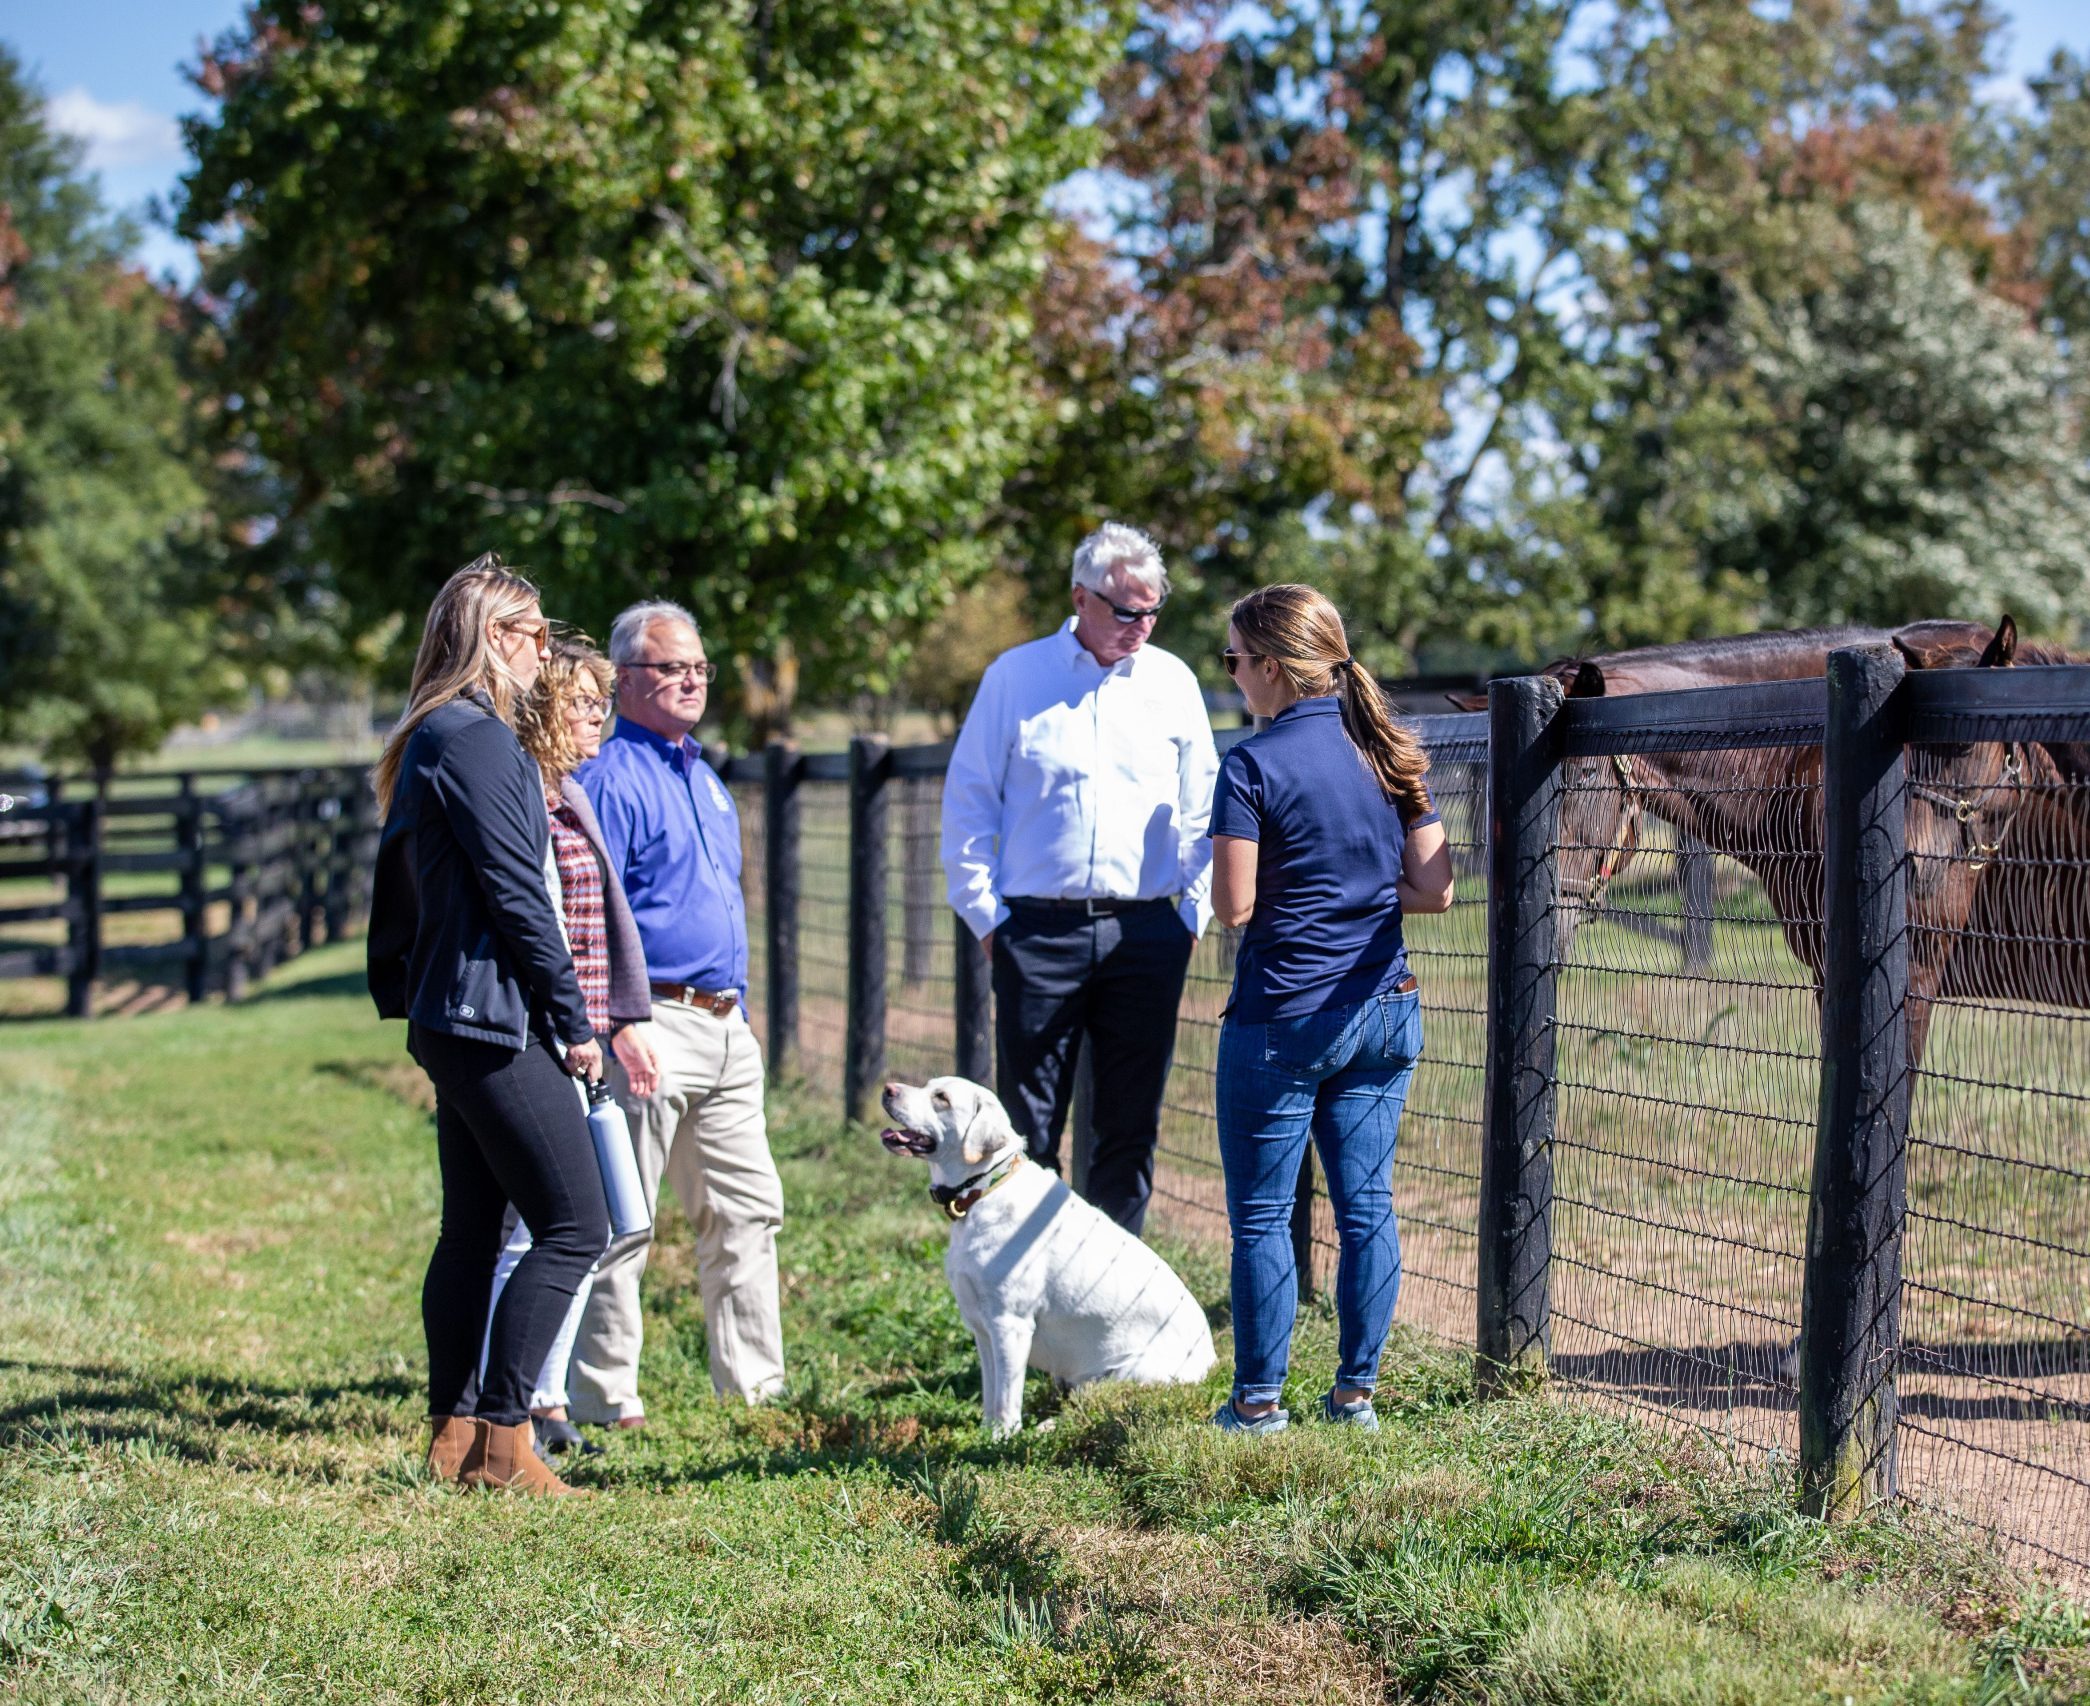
(1042, 1279)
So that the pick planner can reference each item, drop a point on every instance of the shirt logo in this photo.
(719, 797)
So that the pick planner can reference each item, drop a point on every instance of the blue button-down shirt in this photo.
(673, 836)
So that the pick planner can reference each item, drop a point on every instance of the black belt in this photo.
(1098, 906)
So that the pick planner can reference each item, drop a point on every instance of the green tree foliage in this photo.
(722, 302)
(109, 620)
(1626, 258)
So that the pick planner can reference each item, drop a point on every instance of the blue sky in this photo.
(112, 71)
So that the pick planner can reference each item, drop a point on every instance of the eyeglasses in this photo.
(1232, 659)
(1125, 613)
(679, 671)
(596, 708)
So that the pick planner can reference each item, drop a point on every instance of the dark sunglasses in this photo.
(1124, 613)
(1232, 659)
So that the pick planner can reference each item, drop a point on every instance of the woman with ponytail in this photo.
(1323, 837)
(466, 947)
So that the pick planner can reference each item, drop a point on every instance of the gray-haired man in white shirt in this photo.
(1074, 843)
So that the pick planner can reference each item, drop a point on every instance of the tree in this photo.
(109, 619)
(726, 303)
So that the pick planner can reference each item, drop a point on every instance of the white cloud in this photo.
(118, 134)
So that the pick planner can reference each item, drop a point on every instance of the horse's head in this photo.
(1601, 808)
(1965, 795)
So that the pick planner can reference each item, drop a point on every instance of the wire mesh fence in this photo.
(1687, 1074)
(1994, 1387)
(823, 934)
(1686, 947)
(920, 979)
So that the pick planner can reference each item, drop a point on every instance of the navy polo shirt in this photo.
(1326, 931)
(672, 835)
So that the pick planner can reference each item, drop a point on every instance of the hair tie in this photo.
(1345, 663)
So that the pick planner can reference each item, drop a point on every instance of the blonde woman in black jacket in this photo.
(465, 946)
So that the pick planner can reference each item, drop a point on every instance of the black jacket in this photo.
(463, 937)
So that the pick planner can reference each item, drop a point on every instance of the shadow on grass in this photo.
(182, 1412)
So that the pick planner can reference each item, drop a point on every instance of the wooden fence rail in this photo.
(259, 868)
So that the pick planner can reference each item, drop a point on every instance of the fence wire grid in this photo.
(1994, 1383)
(1687, 1038)
(1687, 1063)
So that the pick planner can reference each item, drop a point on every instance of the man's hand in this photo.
(584, 1060)
(637, 1058)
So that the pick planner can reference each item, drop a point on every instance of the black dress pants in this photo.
(508, 1129)
(1060, 975)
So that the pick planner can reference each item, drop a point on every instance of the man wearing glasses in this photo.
(670, 830)
(1074, 845)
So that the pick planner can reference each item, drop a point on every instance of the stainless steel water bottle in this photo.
(631, 1217)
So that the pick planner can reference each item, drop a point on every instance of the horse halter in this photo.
(1967, 807)
(1589, 893)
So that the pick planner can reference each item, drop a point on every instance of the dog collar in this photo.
(957, 1201)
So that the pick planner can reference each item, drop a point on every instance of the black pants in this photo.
(1060, 975)
(508, 1128)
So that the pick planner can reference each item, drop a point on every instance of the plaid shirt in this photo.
(580, 885)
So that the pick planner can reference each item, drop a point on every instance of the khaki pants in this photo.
(704, 1131)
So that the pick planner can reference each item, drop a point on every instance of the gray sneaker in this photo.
(1227, 1419)
(1358, 1413)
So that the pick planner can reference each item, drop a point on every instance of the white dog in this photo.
(1042, 1279)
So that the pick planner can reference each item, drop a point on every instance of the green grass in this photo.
(212, 1225)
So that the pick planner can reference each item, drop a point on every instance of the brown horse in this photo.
(1763, 808)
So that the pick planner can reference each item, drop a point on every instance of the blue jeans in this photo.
(1340, 1075)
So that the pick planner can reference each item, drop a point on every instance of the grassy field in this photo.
(212, 1225)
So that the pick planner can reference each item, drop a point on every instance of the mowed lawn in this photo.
(212, 1228)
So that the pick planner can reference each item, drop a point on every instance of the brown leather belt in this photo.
(1407, 985)
(719, 1003)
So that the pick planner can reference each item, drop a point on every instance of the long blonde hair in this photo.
(540, 719)
(455, 657)
(1297, 629)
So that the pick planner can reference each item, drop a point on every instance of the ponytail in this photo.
(1297, 628)
(1396, 757)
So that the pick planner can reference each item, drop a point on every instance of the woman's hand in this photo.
(637, 1058)
(584, 1060)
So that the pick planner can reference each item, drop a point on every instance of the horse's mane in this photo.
(1739, 647)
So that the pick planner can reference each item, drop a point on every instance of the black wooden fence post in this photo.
(1303, 1223)
(780, 819)
(195, 924)
(972, 985)
(238, 812)
(1697, 873)
(1850, 1310)
(83, 893)
(863, 1057)
(1512, 1331)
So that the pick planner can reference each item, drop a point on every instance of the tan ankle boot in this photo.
(456, 1444)
(511, 1464)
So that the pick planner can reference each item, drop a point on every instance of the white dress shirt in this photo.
(1075, 782)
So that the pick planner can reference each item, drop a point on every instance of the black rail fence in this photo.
(199, 880)
(1624, 1168)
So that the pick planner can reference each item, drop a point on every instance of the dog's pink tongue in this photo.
(892, 1134)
